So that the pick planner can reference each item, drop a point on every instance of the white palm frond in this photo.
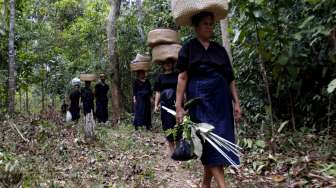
(205, 130)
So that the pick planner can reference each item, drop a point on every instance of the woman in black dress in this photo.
(74, 103)
(206, 73)
(165, 95)
(101, 90)
(142, 95)
(87, 98)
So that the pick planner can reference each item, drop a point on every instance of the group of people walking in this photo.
(202, 70)
(85, 96)
(163, 93)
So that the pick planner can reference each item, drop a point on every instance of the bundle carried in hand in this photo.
(184, 10)
(165, 44)
(191, 144)
(141, 62)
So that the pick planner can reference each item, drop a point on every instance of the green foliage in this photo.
(292, 39)
(10, 172)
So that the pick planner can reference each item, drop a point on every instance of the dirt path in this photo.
(175, 174)
(58, 156)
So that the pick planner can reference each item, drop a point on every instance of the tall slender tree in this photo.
(225, 36)
(140, 21)
(3, 20)
(114, 65)
(11, 62)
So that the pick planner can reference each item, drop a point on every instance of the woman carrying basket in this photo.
(142, 93)
(205, 72)
(165, 95)
(166, 45)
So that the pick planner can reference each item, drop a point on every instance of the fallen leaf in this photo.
(278, 178)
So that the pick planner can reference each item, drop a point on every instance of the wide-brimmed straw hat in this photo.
(162, 36)
(141, 62)
(88, 77)
(184, 10)
(164, 52)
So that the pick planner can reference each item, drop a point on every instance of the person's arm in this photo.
(157, 86)
(235, 98)
(181, 88)
(151, 92)
(95, 90)
(157, 101)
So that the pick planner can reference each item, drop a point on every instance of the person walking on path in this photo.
(87, 98)
(74, 103)
(205, 72)
(101, 90)
(165, 95)
(142, 96)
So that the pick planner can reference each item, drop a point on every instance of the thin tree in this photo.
(3, 21)
(140, 21)
(114, 65)
(225, 36)
(11, 62)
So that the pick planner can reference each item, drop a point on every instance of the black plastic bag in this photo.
(184, 151)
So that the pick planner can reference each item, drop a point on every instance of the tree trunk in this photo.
(53, 100)
(140, 22)
(89, 127)
(27, 101)
(263, 72)
(43, 96)
(226, 37)
(114, 65)
(11, 62)
(3, 16)
(20, 99)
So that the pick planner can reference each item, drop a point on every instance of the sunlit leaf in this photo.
(307, 20)
(278, 178)
(260, 143)
(283, 124)
(332, 86)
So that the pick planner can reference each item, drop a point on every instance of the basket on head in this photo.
(141, 62)
(88, 77)
(138, 66)
(165, 51)
(141, 58)
(162, 36)
(184, 10)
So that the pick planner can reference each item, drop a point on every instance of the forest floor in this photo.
(56, 155)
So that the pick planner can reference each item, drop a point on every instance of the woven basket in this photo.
(165, 51)
(88, 77)
(162, 36)
(141, 58)
(145, 66)
(183, 10)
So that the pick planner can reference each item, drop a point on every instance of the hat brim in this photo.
(183, 11)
